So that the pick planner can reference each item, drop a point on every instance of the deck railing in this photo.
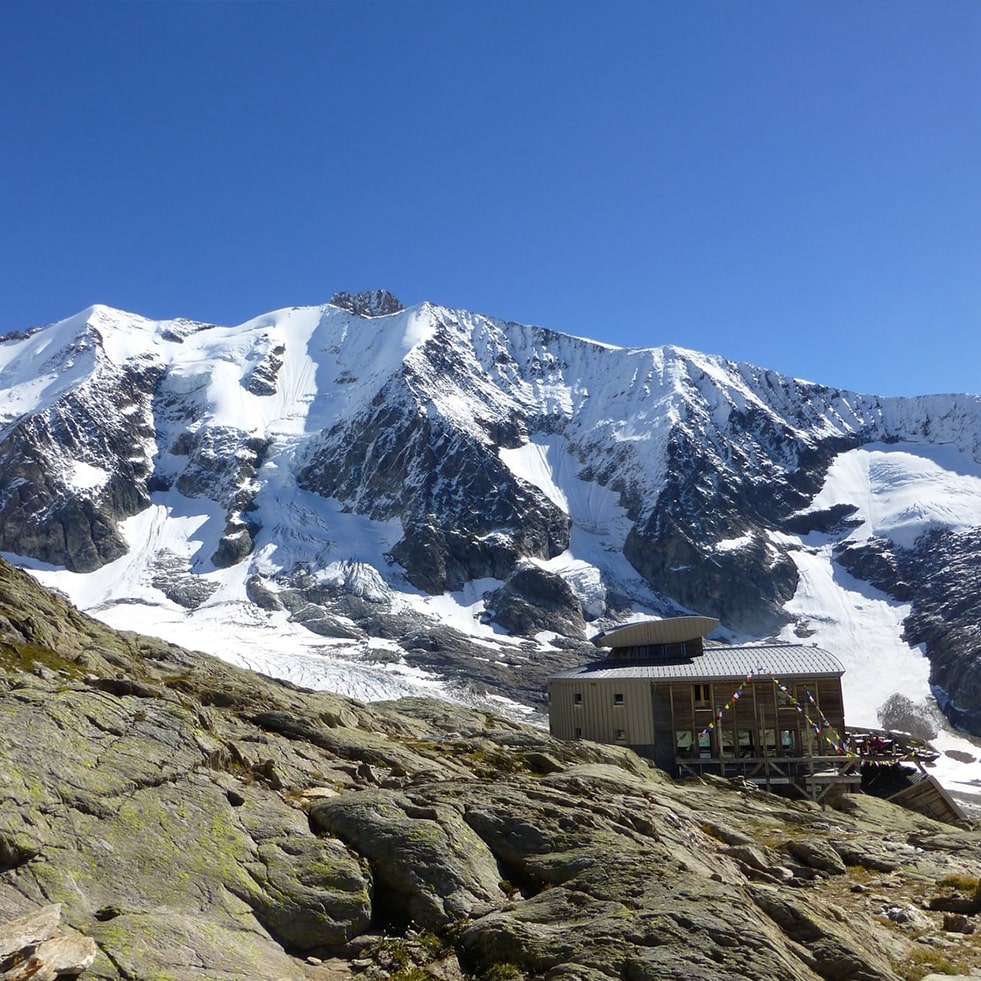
(815, 776)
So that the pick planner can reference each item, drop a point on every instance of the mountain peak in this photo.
(370, 303)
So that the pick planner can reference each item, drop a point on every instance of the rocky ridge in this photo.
(196, 820)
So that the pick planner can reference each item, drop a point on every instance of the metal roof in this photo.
(716, 663)
(673, 630)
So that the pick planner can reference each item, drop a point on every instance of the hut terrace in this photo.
(771, 713)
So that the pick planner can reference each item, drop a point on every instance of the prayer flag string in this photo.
(733, 698)
(825, 730)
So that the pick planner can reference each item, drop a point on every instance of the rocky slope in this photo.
(199, 821)
(939, 574)
(336, 467)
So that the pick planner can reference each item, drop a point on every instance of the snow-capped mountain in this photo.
(373, 498)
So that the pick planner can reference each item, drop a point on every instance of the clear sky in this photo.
(794, 184)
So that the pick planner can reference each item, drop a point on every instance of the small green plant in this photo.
(405, 956)
(921, 961)
(432, 945)
(859, 873)
(391, 952)
(451, 935)
(505, 971)
(960, 881)
(412, 973)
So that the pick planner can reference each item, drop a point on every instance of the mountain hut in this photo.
(771, 713)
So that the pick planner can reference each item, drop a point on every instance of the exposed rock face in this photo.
(236, 544)
(171, 575)
(262, 379)
(465, 515)
(939, 575)
(730, 483)
(878, 561)
(533, 600)
(220, 465)
(195, 820)
(371, 303)
(69, 474)
(746, 586)
(945, 617)
(429, 866)
(901, 714)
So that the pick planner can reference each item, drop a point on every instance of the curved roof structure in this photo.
(644, 633)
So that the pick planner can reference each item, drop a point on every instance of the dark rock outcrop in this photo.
(944, 569)
(71, 473)
(465, 515)
(939, 576)
(370, 303)
(261, 380)
(534, 600)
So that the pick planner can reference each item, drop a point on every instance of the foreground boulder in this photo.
(32, 946)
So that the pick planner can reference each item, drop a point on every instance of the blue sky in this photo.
(793, 184)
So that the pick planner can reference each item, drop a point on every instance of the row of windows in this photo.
(702, 696)
(742, 742)
(654, 652)
(617, 698)
(619, 735)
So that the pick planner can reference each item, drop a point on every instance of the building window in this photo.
(727, 743)
(578, 732)
(705, 744)
(703, 696)
(577, 698)
(618, 698)
(747, 742)
(620, 735)
(683, 742)
(652, 652)
(788, 742)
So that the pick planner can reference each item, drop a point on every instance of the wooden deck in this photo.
(813, 776)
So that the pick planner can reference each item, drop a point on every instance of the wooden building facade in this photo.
(770, 713)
